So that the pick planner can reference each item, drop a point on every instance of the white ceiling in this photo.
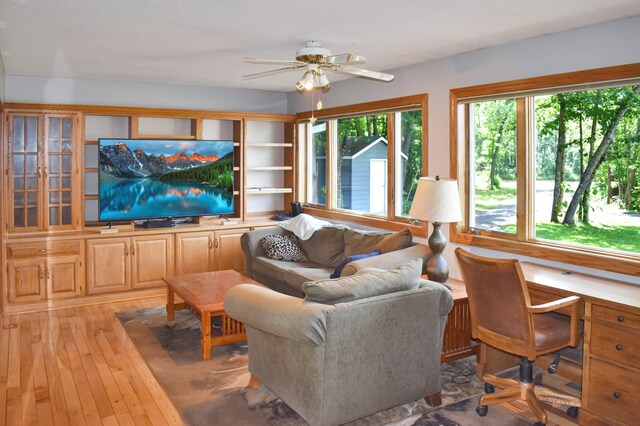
(203, 42)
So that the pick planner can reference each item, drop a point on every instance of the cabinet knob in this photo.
(620, 318)
(618, 347)
(616, 395)
(126, 249)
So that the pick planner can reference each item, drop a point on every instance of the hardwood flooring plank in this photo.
(40, 380)
(14, 403)
(4, 367)
(27, 387)
(56, 394)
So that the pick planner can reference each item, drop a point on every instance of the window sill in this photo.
(375, 222)
(621, 263)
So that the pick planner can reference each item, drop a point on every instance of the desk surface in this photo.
(588, 287)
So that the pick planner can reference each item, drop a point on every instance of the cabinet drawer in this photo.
(614, 392)
(615, 344)
(42, 248)
(616, 315)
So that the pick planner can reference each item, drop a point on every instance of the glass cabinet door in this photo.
(58, 171)
(25, 171)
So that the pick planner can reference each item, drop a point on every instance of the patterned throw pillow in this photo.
(280, 247)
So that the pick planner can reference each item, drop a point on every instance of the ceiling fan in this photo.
(316, 59)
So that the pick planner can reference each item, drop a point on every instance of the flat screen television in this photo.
(163, 178)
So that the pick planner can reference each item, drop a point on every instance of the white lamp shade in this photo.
(436, 200)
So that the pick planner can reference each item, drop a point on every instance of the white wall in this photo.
(2, 80)
(613, 43)
(96, 92)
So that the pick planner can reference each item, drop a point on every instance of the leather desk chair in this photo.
(502, 317)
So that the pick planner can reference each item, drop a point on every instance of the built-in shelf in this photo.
(91, 142)
(91, 169)
(141, 136)
(267, 168)
(91, 197)
(264, 191)
(270, 145)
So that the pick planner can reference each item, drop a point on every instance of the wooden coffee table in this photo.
(203, 295)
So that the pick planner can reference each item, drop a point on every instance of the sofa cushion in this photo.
(279, 247)
(345, 289)
(277, 269)
(325, 247)
(296, 277)
(336, 273)
(357, 242)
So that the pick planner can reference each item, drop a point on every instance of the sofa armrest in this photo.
(251, 247)
(390, 260)
(276, 313)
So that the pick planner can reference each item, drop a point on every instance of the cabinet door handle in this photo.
(40, 272)
(217, 243)
(210, 243)
(126, 249)
(39, 172)
(48, 273)
(46, 171)
(133, 249)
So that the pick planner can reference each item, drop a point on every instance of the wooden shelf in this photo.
(91, 197)
(267, 168)
(91, 170)
(186, 137)
(269, 191)
(270, 145)
(91, 142)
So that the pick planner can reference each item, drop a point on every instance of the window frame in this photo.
(331, 115)
(523, 243)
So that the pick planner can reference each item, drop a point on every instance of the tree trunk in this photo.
(561, 154)
(581, 153)
(590, 170)
(493, 171)
(609, 190)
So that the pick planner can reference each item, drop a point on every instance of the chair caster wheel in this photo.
(553, 367)
(482, 410)
(573, 412)
(489, 388)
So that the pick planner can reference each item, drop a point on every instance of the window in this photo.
(366, 159)
(553, 168)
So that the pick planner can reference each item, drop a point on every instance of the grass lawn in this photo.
(486, 199)
(624, 238)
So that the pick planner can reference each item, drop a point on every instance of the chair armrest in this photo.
(562, 303)
(278, 314)
(554, 305)
(390, 260)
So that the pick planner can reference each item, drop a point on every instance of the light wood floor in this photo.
(77, 366)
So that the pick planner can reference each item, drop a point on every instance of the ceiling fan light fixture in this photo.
(307, 80)
(322, 81)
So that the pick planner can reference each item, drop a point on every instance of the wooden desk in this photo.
(611, 362)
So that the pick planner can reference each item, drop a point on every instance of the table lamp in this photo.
(436, 201)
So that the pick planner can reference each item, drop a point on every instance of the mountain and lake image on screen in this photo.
(150, 178)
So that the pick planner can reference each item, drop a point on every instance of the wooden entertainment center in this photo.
(52, 245)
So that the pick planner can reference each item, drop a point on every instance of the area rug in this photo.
(213, 392)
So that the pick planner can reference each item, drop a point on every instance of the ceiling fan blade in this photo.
(276, 71)
(346, 58)
(272, 61)
(362, 72)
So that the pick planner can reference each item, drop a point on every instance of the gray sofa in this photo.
(333, 363)
(326, 249)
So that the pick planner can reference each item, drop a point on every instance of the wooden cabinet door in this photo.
(228, 253)
(108, 266)
(64, 277)
(194, 252)
(61, 178)
(151, 260)
(26, 280)
(24, 169)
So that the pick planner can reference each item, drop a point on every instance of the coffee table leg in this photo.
(206, 335)
(171, 307)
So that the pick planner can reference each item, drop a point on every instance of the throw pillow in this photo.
(279, 247)
(360, 242)
(350, 259)
(354, 287)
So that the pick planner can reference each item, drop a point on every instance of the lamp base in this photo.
(437, 267)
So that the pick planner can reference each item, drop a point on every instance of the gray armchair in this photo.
(337, 363)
